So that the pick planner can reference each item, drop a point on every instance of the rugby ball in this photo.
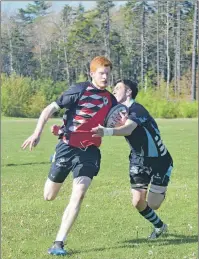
(113, 118)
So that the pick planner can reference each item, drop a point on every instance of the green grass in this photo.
(107, 227)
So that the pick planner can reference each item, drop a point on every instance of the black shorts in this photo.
(82, 162)
(147, 170)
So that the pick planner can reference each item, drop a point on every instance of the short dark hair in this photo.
(131, 84)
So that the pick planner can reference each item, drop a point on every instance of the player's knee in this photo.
(49, 196)
(137, 202)
(154, 205)
(80, 187)
(155, 200)
(139, 198)
(51, 190)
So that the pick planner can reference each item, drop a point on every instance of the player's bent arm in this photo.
(45, 115)
(126, 129)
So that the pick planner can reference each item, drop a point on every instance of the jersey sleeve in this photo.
(69, 97)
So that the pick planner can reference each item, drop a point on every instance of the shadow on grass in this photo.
(133, 243)
(166, 240)
(35, 163)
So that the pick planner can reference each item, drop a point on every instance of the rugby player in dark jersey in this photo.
(87, 105)
(150, 161)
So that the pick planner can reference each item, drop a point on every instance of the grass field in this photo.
(108, 227)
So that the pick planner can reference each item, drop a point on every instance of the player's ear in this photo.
(128, 92)
(91, 74)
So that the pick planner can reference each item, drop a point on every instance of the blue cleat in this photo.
(57, 249)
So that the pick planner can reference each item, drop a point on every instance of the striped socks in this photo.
(151, 216)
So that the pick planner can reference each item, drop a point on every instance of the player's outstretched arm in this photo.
(124, 130)
(33, 140)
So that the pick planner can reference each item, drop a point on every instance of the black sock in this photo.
(151, 216)
(59, 243)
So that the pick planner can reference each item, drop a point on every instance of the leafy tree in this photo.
(34, 11)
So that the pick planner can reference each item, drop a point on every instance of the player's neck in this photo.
(129, 101)
(98, 87)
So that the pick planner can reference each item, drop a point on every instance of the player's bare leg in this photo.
(80, 186)
(140, 203)
(51, 190)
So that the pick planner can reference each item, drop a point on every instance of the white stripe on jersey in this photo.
(73, 128)
(94, 96)
(79, 121)
(80, 112)
(88, 105)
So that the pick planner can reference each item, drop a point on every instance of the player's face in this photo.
(100, 77)
(119, 92)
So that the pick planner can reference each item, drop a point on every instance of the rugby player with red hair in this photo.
(87, 105)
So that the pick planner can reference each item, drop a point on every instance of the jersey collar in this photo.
(131, 102)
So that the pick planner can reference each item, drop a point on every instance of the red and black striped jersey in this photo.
(87, 107)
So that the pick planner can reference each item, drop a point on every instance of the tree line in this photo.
(153, 42)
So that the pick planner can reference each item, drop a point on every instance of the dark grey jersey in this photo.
(145, 140)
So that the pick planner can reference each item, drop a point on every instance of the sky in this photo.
(10, 6)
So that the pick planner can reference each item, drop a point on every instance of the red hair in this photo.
(99, 61)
